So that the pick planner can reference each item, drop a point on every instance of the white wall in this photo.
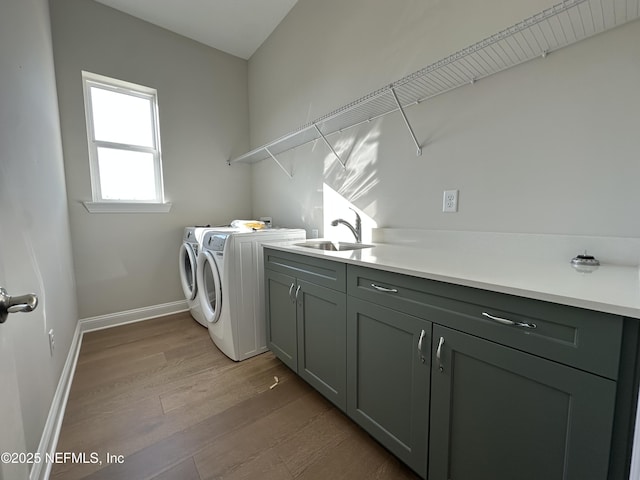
(549, 147)
(129, 261)
(35, 245)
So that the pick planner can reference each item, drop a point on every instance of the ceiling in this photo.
(237, 27)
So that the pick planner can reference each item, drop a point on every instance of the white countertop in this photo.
(610, 288)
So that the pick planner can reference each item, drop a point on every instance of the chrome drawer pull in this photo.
(422, 334)
(291, 291)
(297, 291)
(384, 289)
(439, 354)
(505, 321)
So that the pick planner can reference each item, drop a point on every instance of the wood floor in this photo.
(160, 395)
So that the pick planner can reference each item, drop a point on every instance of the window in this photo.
(124, 145)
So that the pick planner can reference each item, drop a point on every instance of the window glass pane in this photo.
(126, 175)
(121, 118)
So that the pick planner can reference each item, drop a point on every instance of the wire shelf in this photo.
(556, 27)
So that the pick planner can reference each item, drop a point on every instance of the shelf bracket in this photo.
(406, 121)
(266, 149)
(330, 146)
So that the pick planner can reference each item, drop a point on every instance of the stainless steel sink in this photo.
(332, 246)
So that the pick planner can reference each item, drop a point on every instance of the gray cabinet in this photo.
(306, 320)
(282, 337)
(519, 388)
(388, 368)
(321, 315)
(498, 413)
(460, 383)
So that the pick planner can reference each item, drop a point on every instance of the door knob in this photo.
(20, 303)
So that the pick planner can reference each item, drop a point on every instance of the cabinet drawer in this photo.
(580, 338)
(316, 270)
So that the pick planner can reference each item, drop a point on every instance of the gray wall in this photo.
(128, 261)
(35, 243)
(550, 146)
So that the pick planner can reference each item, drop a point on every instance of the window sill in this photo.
(124, 207)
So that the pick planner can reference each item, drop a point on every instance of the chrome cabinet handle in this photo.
(505, 321)
(439, 354)
(384, 289)
(20, 303)
(291, 291)
(297, 292)
(422, 334)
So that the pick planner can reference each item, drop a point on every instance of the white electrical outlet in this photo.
(450, 201)
(52, 342)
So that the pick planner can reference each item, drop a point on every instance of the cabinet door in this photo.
(501, 414)
(388, 368)
(281, 317)
(322, 337)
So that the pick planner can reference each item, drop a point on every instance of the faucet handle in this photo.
(358, 229)
(358, 220)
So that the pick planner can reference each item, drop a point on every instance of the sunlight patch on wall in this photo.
(359, 152)
(335, 206)
(353, 186)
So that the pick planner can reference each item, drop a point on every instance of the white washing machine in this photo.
(230, 279)
(187, 266)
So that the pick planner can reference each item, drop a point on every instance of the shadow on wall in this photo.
(352, 186)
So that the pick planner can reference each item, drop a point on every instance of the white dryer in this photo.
(230, 278)
(187, 267)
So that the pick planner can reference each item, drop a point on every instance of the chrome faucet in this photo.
(357, 230)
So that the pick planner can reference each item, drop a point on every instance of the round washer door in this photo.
(188, 271)
(210, 286)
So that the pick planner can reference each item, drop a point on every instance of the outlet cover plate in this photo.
(450, 201)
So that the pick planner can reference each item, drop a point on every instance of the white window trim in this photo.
(98, 204)
(127, 207)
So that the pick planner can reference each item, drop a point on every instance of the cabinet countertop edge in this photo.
(612, 289)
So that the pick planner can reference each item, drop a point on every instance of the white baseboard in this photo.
(51, 431)
(130, 316)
